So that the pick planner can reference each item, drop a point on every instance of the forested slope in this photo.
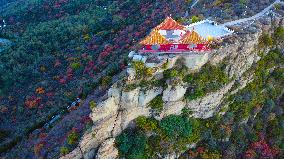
(63, 49)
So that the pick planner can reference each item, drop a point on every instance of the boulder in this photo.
(90, 154)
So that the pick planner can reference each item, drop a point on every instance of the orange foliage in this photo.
(40, 90)
(3, 109)
(32, 102)
(38, 148)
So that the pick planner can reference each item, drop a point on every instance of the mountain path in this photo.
(258, 15)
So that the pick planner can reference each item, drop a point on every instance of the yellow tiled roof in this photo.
(191, 37)
(154, 38)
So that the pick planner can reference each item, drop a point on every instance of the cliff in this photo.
(121, 105)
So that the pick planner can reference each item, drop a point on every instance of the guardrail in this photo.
(174, 52)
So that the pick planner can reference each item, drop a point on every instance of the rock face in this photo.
(196, 61)
(241, 53)
(129, 99)
(173, 93)
(173, 108)
(205, 107)
(146, 96)
(120, 108)
(105, 109)
(107, 150)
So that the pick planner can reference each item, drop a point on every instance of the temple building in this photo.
(172, 37)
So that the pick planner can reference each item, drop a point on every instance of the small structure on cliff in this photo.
(172, 37)
(170, 41)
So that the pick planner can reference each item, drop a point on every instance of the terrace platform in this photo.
(207, 28)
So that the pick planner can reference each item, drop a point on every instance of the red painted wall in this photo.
(175, 47)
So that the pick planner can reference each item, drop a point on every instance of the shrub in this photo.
(211, 155)
(176, 127)
(170, 73)
(243, 2)
(64, 150)
(3, 134)
(105, 81)
(146, 124)
(165, 65)
(279, 35)
(37, 148)
(130, 87)
(75, 65)
(195, 19)
(149, 84)
(157, 104)
(265, 41)
(186, 112)
(92, 104)
(209, 78)
(218, 2)
(196, 131)
(194, 94)
(141, 70)
(72, 138)
(277, 6)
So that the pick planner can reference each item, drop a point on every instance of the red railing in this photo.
(174, 51)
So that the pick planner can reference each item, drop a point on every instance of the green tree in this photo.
(243, 2)
(92, 104)
(75, 65)
(176, 127)
(132, 145)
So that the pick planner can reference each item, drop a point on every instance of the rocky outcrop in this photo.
(111, 116)
(120, 108)
(205, 107)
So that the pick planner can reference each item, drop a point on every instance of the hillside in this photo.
(61, 50)
(65, 51)
(3, 3)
